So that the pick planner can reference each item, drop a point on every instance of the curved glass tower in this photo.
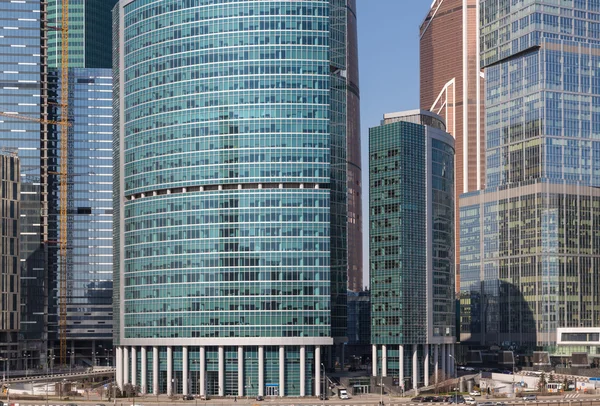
(230, 194)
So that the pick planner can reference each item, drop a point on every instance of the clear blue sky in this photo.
(388, 50)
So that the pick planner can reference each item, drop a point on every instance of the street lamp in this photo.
(456, 376)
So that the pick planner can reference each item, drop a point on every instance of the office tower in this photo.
(359, 325)
(355, 236)
(31, 89)
(89, 259)
(452, 86)
(411, 203)
(20, 90)
(10, 185)
(530, 244)
(230, 190)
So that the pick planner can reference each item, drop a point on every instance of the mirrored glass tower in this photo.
(230, 194)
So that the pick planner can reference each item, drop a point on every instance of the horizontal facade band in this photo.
(235, 186)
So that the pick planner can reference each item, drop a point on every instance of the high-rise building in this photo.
(452, 86)
(10, 184)
(355, 234)
(20, 90)
(411, 205)
(31, 89)
(89, 257)
(530, 242)
(230, 194)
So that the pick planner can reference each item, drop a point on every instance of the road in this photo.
(365, 400)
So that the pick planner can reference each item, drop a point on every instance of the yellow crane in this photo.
(64, 124)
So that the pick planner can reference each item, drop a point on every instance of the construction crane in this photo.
(64, 125)
(64, 153)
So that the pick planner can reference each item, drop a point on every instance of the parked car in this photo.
(456, 399)
(427, 399)
(260, 398)
(486, 404)
(187, 397)
(500, 404)
(417, 399)
(470, 401)
(475, 393)
(530, 397)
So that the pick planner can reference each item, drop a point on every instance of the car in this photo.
(100, 404)
(323, 396)
(187, 397)
(428, 399)
(469, 400)
(530, 397)
(417, 399)
(204, 397)
(486, 404)
(475, 393)
(260, 398)
(456, 399)
(500, 404)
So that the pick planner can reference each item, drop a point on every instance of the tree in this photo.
(542, 382)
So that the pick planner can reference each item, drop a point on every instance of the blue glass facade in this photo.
(89, 263)
(230, 170)
(20, 75)
(411, 203)
(528, 245)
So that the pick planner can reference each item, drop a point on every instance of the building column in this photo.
(94, 357)
(302, 370)
(426, 365)
(125, 365)
(119, 366)
(221, 370)
(451, 359)
(444, 370)
(374, 360)
(281, 370)
(155, 369)
(415, 366)
(436, 362)
(170, 382)
(202, 382)
(261, 370)
(240, 371)
(186, 370)
(144, 377)
(317, 370)
(401, 365)
(384, 360)
(133, 366)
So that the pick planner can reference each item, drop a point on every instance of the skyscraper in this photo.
(530, 243)
(231, 191)
(20, 90)
(411, 201)
(451, 86)
(31, 89)
(10, 184)
(355, 233)
(89, 258)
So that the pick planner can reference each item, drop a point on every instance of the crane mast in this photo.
(64, 155)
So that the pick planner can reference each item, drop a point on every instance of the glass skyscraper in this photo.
(230, 194)
(30, 88)
(530, 243)
(89, 257)
(20, 90)
(411, 203)
(10, 184)
(451, 86)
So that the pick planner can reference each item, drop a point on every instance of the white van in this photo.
(343, 394)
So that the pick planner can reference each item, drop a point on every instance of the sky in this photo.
(388, 52)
